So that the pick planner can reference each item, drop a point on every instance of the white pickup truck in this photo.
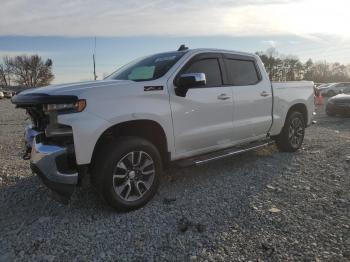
(190, 106)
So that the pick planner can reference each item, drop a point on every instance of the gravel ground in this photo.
(260, 206)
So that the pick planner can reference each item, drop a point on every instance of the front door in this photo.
(202, 119)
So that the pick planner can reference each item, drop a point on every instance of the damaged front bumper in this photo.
(52, 164)
(49, 144)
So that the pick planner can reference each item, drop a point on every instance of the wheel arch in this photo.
(301, 108)
(150, 130)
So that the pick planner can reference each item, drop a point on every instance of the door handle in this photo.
(264, 93)
(223, 97)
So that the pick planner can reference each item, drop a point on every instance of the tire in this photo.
(292, 135)
(122, 172)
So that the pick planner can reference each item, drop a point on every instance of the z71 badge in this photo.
(153, 88)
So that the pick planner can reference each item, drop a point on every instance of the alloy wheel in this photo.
(296, 132)
(133, 175)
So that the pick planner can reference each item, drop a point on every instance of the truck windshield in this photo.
(148, 68)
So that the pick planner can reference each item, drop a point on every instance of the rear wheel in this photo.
(127, 173)
(292, 135)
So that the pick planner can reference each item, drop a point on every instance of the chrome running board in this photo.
(203, 159)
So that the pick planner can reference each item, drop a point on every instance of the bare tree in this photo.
(271, 63)
(3, 79)
(31, 71)
(5, 72)
(309, 72)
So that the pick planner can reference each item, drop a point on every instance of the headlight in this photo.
(66, 108)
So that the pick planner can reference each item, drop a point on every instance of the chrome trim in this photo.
(199, 77)
(44, 158)
(236, 152)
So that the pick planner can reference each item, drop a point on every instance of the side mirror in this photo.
(187, 81)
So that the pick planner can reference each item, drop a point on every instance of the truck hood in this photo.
(73, 88)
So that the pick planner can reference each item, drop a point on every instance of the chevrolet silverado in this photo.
(189, 106)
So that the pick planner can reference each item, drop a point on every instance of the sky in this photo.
(64, 30)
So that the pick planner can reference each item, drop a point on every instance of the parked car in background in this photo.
(8, 94)
(318, 87)
(338, 105)
(323, 85)
(1, 95)
(334, 89)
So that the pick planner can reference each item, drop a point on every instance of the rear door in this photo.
(202, 119)
(252, 97)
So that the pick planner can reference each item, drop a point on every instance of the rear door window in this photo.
(241, 72)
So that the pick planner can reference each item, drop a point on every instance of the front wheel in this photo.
(292, 135)
(127, 173)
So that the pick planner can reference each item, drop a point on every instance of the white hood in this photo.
(74, 88)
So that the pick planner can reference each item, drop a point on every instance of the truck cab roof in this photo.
(216, 50)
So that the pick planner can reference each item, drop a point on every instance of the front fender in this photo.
(88, 128)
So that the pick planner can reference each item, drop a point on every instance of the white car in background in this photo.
(334, 89)
(8, 94)
(1, 95)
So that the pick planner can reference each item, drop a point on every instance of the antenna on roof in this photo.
(93, 58)
(182, 48)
